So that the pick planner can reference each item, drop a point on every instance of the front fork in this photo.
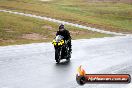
(57, 53)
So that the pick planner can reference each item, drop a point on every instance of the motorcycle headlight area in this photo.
(54, 42)
(61, 42)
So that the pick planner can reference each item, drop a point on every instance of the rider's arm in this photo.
(68, 34)
(58, 33)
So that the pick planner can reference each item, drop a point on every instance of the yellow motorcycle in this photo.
(61, 49)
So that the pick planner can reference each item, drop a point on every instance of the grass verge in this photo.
(105, 15)
(15, 29)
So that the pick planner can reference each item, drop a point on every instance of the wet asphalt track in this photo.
(33, 65)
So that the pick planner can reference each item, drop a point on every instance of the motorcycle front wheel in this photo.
(57, 55)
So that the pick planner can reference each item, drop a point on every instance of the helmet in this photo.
(61, 26)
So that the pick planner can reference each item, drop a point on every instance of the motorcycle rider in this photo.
(66, 34)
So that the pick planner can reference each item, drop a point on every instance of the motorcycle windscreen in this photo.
(58, 38)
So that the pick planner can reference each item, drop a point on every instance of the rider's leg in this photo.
(70, 46)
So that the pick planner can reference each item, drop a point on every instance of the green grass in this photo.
(108, 16)
(14, 27)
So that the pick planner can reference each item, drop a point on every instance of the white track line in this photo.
(63, 22)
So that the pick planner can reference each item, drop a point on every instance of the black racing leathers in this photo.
(66, 34)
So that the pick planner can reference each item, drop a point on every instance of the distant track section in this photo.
(63, 22)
